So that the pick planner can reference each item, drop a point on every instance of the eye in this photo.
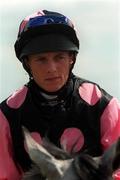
(41, 60)
(60, 57)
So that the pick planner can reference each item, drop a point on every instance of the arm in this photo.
(110, 123)
(110, 119)
(8, 168)
(110, 127)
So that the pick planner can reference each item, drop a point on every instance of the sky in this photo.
(97, 23)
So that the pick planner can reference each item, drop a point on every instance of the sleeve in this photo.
(8, 168)
(110, 127)
(110, 119)
(110, 123)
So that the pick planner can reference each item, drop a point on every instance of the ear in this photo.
(71, 61)
(26, 66)
(72, 58)
(110, 161)
(54, 150)
(33, 146)
(26, 63)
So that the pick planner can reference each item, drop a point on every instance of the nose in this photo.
(52, 66)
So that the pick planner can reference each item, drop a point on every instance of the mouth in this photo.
(53, 79)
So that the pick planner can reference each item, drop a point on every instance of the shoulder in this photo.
(91, 92)
(16, 99)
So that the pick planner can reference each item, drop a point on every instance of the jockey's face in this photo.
(50, 70)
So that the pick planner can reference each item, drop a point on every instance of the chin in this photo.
(53, 90)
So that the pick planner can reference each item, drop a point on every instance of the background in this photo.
(97, 24)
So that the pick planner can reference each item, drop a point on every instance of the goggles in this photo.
(43, 20)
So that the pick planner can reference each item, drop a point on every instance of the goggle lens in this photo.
(44, 20)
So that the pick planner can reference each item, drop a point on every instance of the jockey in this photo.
(74, 113)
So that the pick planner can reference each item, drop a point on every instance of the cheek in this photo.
(65, 70)
(37, 73)
(36, 69)
(67, 67)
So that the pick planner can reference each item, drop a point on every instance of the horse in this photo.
(53, 163)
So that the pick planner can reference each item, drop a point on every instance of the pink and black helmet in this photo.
(45, 31)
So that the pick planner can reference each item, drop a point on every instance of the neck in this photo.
(64, 91)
